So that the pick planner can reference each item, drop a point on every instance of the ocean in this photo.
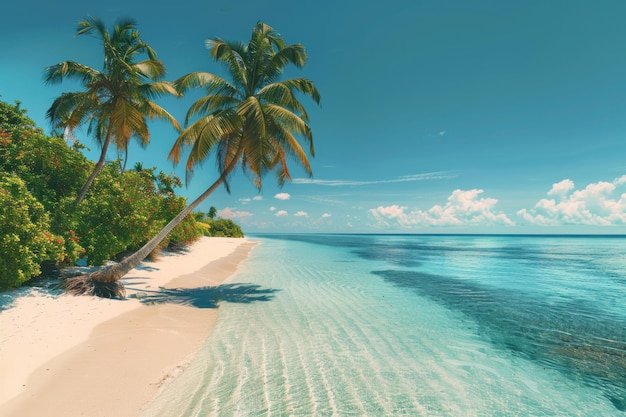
(415, 325)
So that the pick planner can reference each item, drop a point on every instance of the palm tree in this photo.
(252, 121)
(117, 100)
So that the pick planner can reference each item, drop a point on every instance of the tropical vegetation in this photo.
(253, 121)
(41, 228)
(53, 209)
(117, 100)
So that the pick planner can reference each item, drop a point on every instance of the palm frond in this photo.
(154, 111)
(265, 31)
(289, 144)
(70, 69)
(292, 54)
(126, 121)
(152, 69)
(230, 152)
(251, 110)
(231, 53)
(209, 104)
(281, 169)
(203, 135)
(206, 80)
(289, 121)
(157, 89)
(89, 25)
(303, 86)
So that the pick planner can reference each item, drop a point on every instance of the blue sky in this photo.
(436, 117)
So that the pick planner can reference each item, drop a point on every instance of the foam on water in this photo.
(414, 325)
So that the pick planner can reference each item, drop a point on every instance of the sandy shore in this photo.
(83, 356)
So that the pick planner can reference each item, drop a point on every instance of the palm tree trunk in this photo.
(99, 165)
(115, 272)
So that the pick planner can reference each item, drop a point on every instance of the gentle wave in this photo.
(412, 325)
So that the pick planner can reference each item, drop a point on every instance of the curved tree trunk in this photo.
(99, 165)
(114, 272)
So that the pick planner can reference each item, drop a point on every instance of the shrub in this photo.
(224, 228)
(25, 237)
(120, 213)
(123, 210)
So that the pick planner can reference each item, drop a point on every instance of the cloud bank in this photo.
(464, 208)
(598, 204)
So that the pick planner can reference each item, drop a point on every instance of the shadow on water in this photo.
(208, 297)
(398, 255)
(412, 252)
(572, 337)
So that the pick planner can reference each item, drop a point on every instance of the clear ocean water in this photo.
(413, 325)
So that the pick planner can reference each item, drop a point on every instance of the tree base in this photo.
(86, 285)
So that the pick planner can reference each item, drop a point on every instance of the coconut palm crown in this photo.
(255, 113)
(254, 121)
(117, 100)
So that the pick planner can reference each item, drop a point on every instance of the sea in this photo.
(414, 325)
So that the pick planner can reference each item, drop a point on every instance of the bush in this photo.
(120, 213)
(223, 228)
(39, 222)
(25, 237)
(123, 210)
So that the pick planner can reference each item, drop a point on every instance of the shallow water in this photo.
(416, 325)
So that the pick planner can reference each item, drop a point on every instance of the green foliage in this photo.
(123, 210)
(13, 117)
(25, 240)
(254, 120)
(52, 169)
(221, 228)
(64, 222)
(187, 230)
(48, 165)
(115, 102)
(40, 222)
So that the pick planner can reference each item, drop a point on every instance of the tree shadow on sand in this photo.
(208, 297)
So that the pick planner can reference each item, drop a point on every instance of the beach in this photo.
(85, 356)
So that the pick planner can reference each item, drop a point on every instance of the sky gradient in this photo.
(436, 116)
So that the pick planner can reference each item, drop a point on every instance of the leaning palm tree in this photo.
(116, 101)
(254, 121)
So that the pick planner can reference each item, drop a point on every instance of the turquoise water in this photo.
(334, 325)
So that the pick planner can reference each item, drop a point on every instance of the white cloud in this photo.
(407, 178)
(229, 213)
(282, 196)
(597, 204)
(301, 214)
(272, 208)
(464, 208)
(325, 215)
(248, 200)
(280, 213)
(561, 188)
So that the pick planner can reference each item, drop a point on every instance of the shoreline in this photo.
(97, 357)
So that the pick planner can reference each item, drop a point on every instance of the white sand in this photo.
(90, 356)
